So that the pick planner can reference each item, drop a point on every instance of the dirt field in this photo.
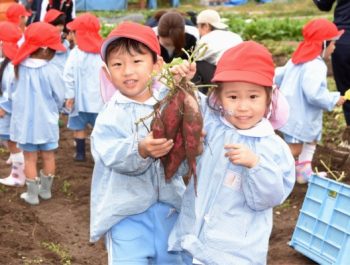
(56, 231)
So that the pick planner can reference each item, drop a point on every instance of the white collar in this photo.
(34, 63)
(261, 129)
(120, 98)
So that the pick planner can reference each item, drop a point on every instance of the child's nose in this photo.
(128, 69)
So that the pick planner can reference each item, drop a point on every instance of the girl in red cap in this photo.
(303, 80)
(36, 104)
(247, 170)
(81, 76)
(9, 36)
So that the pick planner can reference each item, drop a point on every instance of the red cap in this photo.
(10, 34)
(51, 15)
(135, 31)
(246, 62)
(15, 11)
(86, 29)
(315, 32)
(37, 35)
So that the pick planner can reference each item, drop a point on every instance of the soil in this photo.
(57, 231)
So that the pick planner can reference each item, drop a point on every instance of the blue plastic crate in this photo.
(322, 232)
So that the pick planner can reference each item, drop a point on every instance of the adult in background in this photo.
(217, 38)
(341, 55)
(174, 35)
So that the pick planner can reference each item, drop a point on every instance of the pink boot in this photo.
(17, 177)
(9, 160)
(303, 172)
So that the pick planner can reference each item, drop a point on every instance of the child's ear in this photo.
(159, 64)
(106, 72)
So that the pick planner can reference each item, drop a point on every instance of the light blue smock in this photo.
(230, 220)
(82, 81)
(36, 102)
(7, 88)
(305, 88)
(61, 57)
(124, 183)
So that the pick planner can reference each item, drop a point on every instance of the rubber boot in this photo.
(31, 196)
(303, 172)
(16, 177)
(80, 150)
(45, 186)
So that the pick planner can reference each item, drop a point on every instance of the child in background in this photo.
(17, 14)
(35, 110)
(57, 19)
(303, 81)
(10, 34)
(131, 204)
(81, 76)
(247, 170)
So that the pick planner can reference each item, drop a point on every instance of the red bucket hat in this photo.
(86, 29)
(15, 11)
(37, 35)
(246, 62)
(10, 34)
(51, 15)
(315, 32)
(135, 31)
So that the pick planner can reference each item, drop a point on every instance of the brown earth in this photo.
(57, 231)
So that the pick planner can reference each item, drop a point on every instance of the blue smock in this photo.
(36, 102)
(7, 88)
(124, 183)
(230, 220)
(82, 81)
(305, 88)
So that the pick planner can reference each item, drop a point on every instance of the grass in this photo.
(65, 257)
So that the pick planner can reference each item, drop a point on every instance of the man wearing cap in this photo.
(213, 32)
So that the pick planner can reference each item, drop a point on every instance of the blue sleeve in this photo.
(57, 86)
(270, 182)
(324, 5)
(279, 74)
(314, 85)
(116, 145)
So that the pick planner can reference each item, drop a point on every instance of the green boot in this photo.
(31, 196)
(45, 186)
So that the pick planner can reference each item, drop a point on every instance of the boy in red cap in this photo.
(247, 170)
(303, 80)
(81, 76)
(36, 104)
(17, 14)
(9, 36)
(131, 204)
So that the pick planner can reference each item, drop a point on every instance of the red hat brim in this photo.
(243, 76)
(27, 49)
(10, 49)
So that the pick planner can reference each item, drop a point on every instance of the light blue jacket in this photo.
(82, 80)
(36, 102)
(61, 57)
(230, 220)
(5, 99)
(124, 183)
(305, 88)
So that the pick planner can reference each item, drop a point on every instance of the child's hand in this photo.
(150, 147)
(200, 147)
(184, 70)
(241, 155)
(341, 101)
(2, 113)
(69, 104)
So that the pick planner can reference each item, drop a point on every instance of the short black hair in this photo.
(129, 45)
(60, 20)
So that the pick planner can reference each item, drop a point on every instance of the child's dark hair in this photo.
(213, 99)
(129, 46)
(60, 20)
(41, 53)
(3, 65)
